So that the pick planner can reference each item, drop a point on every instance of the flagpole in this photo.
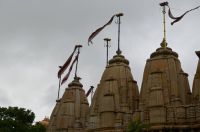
(119, 22)
(79, 46)
(164, 22)
(92, 87)
(163, 5)
(107, 40)
(91, 95)
(59, 88)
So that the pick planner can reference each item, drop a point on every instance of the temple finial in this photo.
(163, 5)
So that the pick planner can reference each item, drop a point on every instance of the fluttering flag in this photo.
(89, 91)
(100, 29)
(67, 63)
(70, 69)
(176, 19)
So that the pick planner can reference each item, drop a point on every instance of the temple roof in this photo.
(71, 110)
(164, 84)
(116, 96)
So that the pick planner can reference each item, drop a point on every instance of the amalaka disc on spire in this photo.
(107, 40)
(119, 22)
(163, 5)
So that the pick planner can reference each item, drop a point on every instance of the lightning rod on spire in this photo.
(163, 5)
(107, 40)
(119, 22)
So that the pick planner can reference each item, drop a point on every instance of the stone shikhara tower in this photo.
(165, 101)
(165, 98)
(71, 111)
(116, 98)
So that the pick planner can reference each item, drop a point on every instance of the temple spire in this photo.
(163, 5)
(119, 22)
(107, 40)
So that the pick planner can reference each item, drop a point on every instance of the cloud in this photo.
(4, 97)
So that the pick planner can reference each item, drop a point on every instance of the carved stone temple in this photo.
(165, 102)
(116, 98)
(71, 111)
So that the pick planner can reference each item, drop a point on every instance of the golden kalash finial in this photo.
(164, 43)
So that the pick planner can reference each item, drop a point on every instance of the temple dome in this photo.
(70, 112)
(116, 97)
(164, 85)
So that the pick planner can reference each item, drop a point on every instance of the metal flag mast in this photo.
(79, 46)
(119, 22)
(92, 92)
(107, 40)
(163, 5)
(59, 89)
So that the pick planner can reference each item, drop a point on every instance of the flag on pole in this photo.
(176, 19)
(67, 63)
(99, 30)
(89, 91)
(70, 69)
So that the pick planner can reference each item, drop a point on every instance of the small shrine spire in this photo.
(163, 5)
(107, 40)
(119, 22)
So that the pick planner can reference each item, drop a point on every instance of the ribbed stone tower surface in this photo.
(165, 96)
(196, 93)
(115, 99)
(70, 112)
(196, 82)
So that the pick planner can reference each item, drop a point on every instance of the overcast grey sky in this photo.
(36, 36)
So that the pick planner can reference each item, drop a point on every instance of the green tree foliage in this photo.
(137, 126)
(38, 128)
(14, 119)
